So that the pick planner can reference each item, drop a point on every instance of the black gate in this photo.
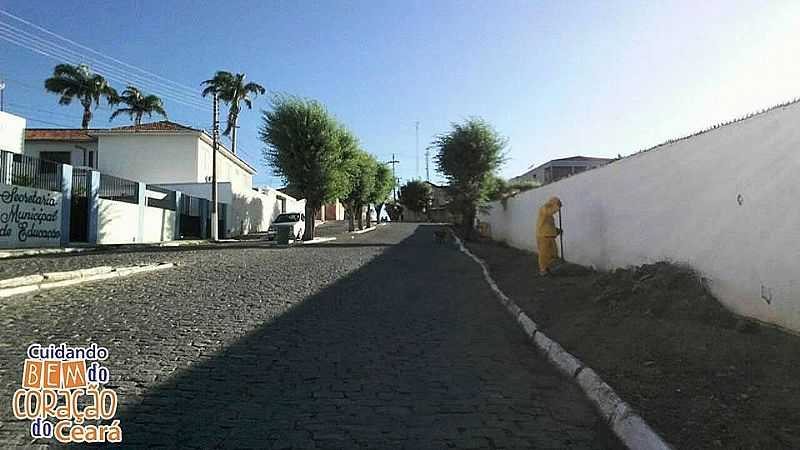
(79, 209)
(190, 222)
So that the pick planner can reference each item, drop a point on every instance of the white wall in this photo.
(149, 158)
(159, 224)
(12, 132)
(227, 169)
(79, 152)
(679, 203)
(117, 222)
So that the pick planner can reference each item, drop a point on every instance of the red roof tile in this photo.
(58, 134)
(163, 125)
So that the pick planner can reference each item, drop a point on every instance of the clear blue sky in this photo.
(556, 78)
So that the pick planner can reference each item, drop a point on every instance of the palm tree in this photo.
(232, 90)
(138, 105)
(80, 82)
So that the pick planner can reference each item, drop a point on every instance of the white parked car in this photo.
(295, 221)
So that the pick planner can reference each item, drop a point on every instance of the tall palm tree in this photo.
(138, 105)
(71, 82)
(232, 90)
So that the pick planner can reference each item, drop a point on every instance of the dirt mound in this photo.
(660, 290)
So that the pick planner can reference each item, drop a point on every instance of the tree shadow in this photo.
(409, 351)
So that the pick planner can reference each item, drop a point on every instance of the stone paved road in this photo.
(387, 340)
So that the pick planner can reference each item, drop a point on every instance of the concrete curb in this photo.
(626, 424)
(365, 230)
(318, 240)
(21, 253)
(51, 280)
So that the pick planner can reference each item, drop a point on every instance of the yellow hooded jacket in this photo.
(546, 233)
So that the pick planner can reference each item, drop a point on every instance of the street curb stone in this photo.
(626, 424)
(527, 324)
(51, 280)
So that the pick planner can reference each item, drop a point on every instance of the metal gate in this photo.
(79, 208)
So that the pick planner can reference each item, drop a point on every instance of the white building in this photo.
(557, 169)
(170, 155)
(158, 152)
(12, 132)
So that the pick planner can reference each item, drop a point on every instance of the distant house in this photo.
(437, 211)
(557, 169)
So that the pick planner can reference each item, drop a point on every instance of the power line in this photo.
(130, 66)
(48, 123)
(61, 58)
(55, 51)
(30, 39)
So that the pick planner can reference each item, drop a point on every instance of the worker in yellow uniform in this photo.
(546, 234)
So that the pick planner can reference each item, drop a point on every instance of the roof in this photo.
(580, 158)
(59, 134)
(162, 125)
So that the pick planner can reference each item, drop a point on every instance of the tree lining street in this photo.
(386, 340)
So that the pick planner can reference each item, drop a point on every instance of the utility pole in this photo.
(416, 145)
(394, 176)
(215, 137)
(427, 164)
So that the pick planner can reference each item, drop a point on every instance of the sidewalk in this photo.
(701, 376)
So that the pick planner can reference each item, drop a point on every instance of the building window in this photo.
(91, 159)
(59, 157)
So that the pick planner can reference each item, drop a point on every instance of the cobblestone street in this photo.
(384, 340)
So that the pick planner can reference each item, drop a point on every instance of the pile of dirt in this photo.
(700, 375)
(660, 290)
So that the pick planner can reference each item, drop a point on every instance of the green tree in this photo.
(138, 105)
(232, 90)
(497, 188)
(79, 82)
(384, 182)
(416, 195)
(468, 156)
(362, 178)
(309, 149)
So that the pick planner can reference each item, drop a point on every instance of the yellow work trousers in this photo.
(548, 252)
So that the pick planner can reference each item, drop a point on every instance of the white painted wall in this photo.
(12, 132)
(679, 203)
(79, 152)
(159, 224)
(149, 158)
(117, 222)
(228, 169)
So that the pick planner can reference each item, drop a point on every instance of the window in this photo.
(56, 157)
(91, 159)
(59, 157)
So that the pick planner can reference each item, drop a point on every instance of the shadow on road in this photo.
(409, 351)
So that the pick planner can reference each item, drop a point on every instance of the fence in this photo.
(95, 207)
(22, 170)
(118, 189)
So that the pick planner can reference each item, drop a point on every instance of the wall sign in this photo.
(29, 217)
